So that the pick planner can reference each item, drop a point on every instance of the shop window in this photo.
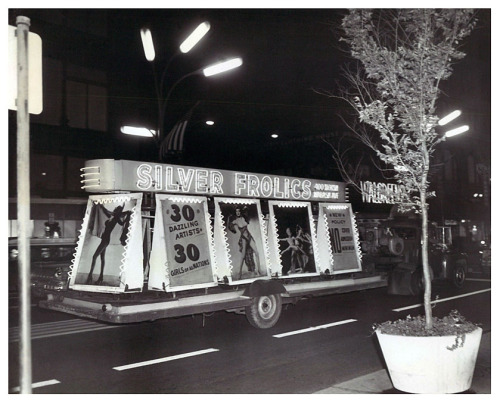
(86, 105)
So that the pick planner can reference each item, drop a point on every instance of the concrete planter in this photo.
(430, 364)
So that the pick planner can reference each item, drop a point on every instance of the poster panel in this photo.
(182, 254)
(292, 239)
(109, 256)
(338, 238)
(240, 241)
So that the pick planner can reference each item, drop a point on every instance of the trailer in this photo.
(161, 241)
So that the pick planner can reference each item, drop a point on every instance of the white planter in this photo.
(426, 365)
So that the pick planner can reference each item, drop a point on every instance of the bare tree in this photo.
(402, 57)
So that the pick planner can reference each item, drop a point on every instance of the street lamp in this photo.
(195, 37)
(137, 131)
(447, 119)
(209, 71)
(147, 44)
(222, 67)
(186, 46)
(458, 130)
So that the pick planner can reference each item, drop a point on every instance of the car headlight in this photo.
(13, 254)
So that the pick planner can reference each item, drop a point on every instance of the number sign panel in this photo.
(338, 238)
(182, 252)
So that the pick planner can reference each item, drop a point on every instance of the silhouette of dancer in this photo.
(117, 216)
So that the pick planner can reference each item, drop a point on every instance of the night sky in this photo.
(287, 55)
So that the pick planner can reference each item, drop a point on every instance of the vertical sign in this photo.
(241, 251)
(182, 253)
(35, 96)
(109, 256)
(292, 239)
(338, 238)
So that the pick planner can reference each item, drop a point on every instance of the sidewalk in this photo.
(379, 381)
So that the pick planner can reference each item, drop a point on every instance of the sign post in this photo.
(23, 202)
(25, 97)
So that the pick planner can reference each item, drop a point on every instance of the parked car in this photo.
(50, 266)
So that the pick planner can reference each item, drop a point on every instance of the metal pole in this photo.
(23, 204)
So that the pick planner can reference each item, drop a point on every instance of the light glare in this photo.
(137, 131)
(209, 122)
(147, 44)
(448, 118)
(222, 67)
(195, 37)
(458, 130)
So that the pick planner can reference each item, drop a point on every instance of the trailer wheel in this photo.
(264, 311)
(417, 282)
(459, 273)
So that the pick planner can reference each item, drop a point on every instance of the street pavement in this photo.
(379, 381)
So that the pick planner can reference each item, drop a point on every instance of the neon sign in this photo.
(120, 175)
(388, 193)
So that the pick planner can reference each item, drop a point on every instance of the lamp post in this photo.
(187, 45)
(150, 54)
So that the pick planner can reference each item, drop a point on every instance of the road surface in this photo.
(316, 343)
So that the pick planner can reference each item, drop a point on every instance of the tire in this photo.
(417, 282)
(264, 311)
(459, 274)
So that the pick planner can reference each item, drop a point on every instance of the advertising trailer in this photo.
(161, 240)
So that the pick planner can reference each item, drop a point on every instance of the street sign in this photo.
(35, 97)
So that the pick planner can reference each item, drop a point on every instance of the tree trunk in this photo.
(425, 262)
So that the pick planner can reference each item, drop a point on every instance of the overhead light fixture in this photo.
(448, 118)
(195, 37)
(137, 131)
(147, 44)
(458, 130)
(209, 122)
(222, 67)
(274, 136)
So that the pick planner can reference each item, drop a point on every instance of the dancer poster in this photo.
(109, 251)
(338, 238)
(292, 239)
(240, 241)
(182, 252)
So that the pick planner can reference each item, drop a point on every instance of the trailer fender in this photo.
(402, 279)
(264, 287)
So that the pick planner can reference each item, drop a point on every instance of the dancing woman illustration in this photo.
(305, 241)
(117, 216)
(247, 244)
(296, 252)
